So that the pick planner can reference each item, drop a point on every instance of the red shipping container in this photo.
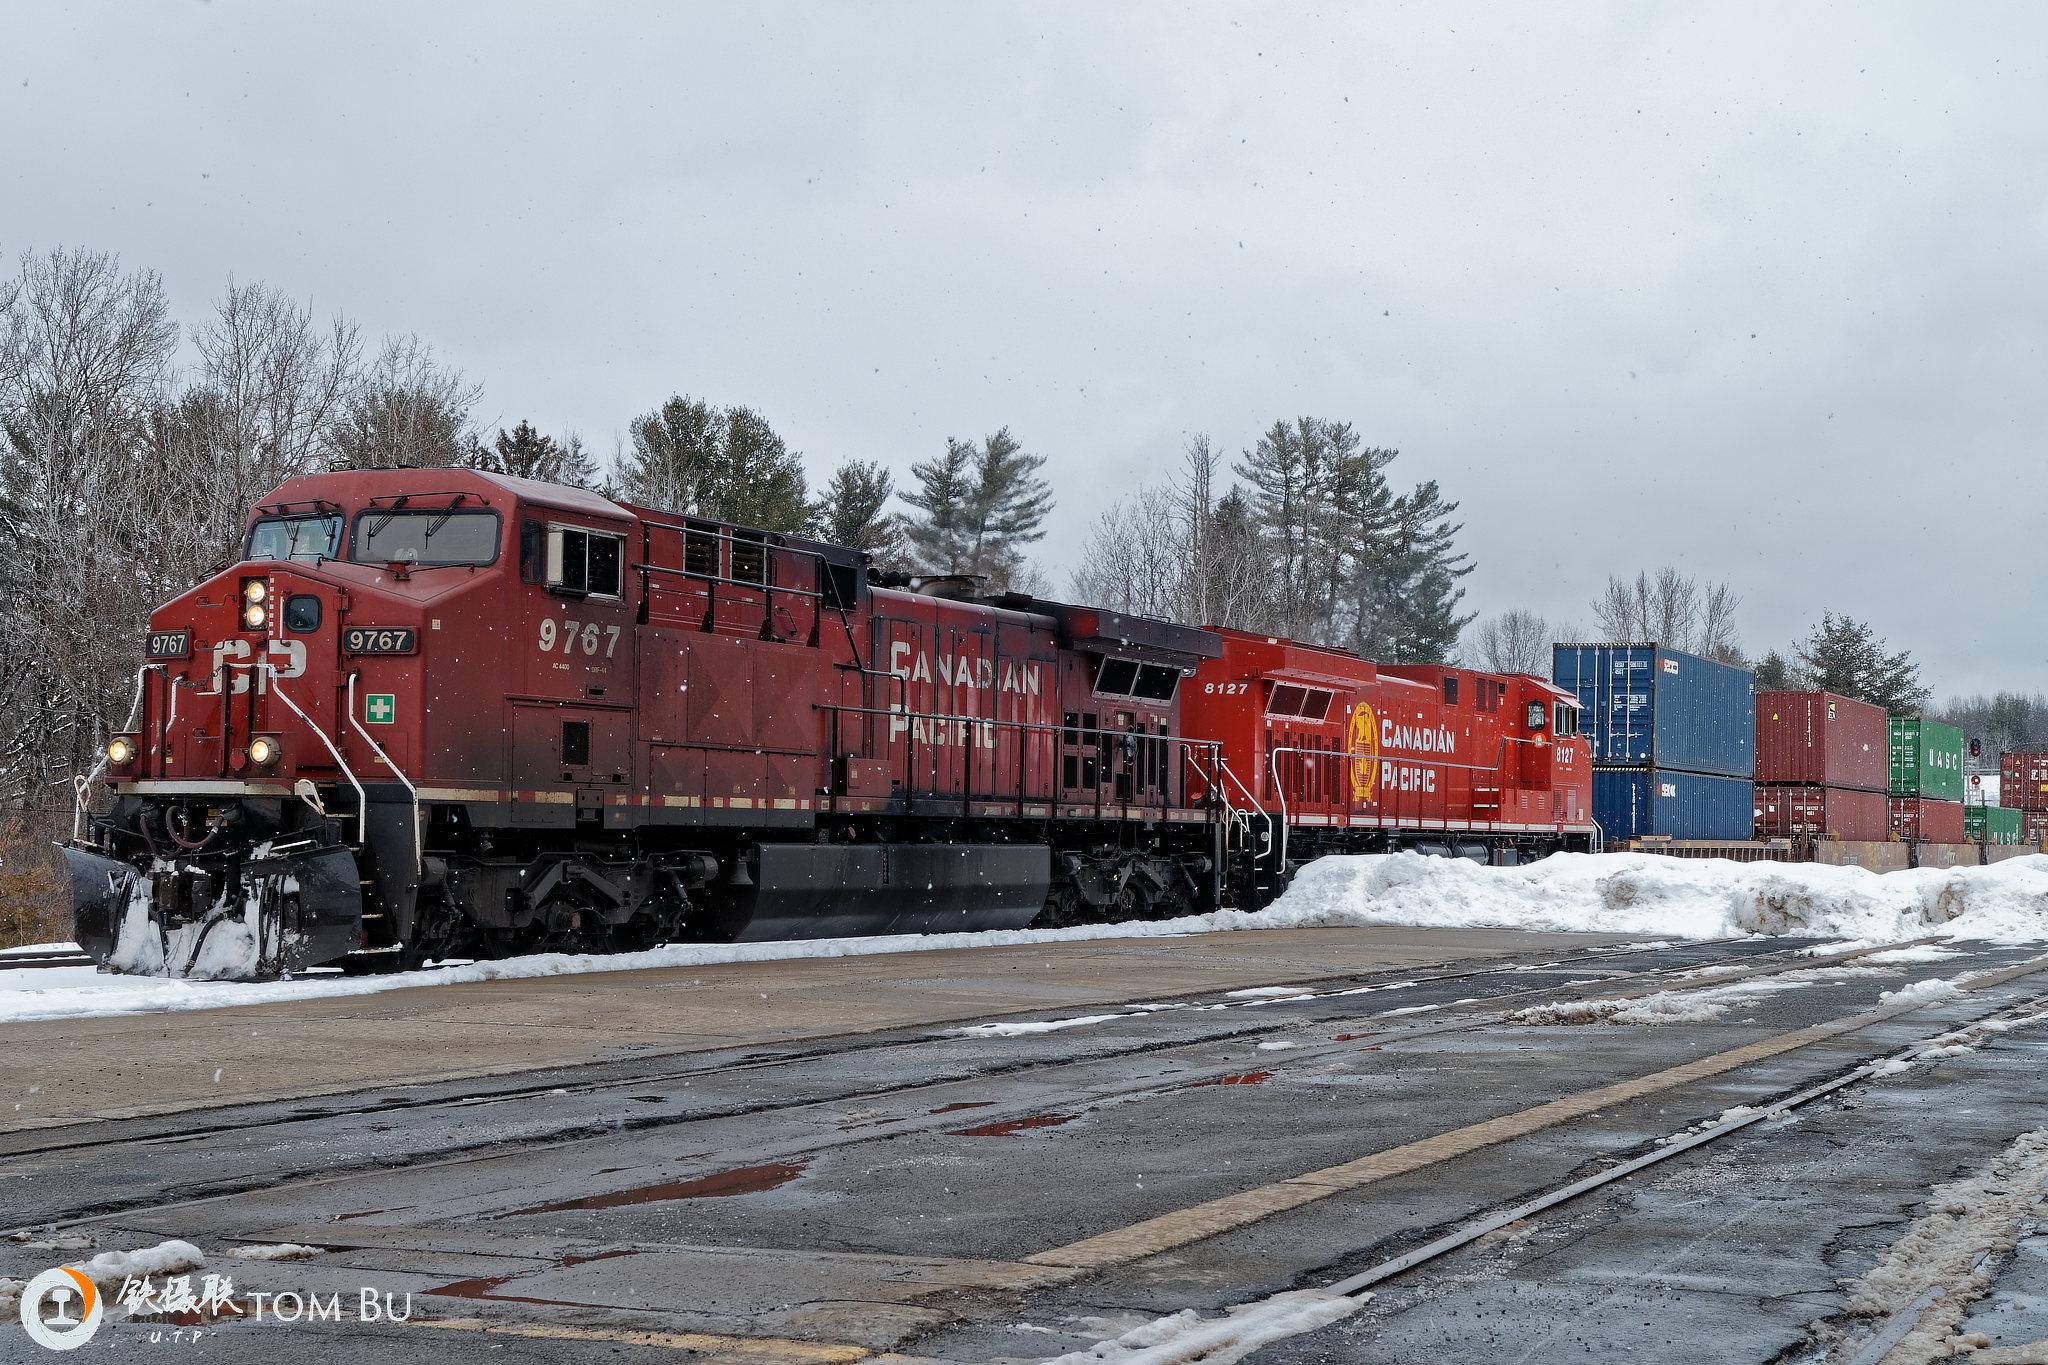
(2023, 780)
(1818, 739)
(1927, 822)
(1826, 812)
(2034, 826)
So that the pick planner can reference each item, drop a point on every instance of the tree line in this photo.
(131, 448)
(1306, 534)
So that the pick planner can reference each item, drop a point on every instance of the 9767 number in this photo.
(571, 637)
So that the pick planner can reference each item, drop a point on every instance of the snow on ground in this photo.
(1188, 1336)
(1616, 893)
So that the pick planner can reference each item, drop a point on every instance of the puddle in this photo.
(1009, 1126)
(481, 1288)
(1241, 1078)
(743, 1180)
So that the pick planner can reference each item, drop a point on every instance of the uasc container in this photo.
(1787, 812)
(1636, 803)
(1993, 824)
(2034, 827)
(1927, 822)
(2023, 780)
(1818, 739)
(1926, 759)
(1644, 706)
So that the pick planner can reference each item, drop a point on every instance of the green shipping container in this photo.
(1991, 824)
(1927, 759)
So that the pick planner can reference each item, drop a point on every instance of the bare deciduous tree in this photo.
(1671, 608)
(1514, 641)
(410, 409)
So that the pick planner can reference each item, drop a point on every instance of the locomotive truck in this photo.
(433, 713)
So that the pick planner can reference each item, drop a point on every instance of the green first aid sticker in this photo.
(380, 708)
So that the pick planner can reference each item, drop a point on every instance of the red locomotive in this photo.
(1349, 756)
(437, 712)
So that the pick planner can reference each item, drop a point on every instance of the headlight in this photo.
(254, 616)
(255, 590)
(120, 750)
(263, 751)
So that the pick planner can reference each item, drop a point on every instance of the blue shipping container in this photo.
(1642, 706)
(1630, 803)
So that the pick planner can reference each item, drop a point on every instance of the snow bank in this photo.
(165, 1258)
(1617, 893)
(1678, 898)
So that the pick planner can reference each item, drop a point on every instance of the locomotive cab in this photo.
(267, 815)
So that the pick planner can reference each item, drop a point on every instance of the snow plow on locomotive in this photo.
(440, 713)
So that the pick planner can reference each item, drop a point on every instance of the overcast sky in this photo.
(1758, 292)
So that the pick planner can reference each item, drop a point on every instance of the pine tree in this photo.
(1773, 673)
(1414, 588)
(723, 464)
(759, 480)
(524, 453)
(982, 505)
(1845, 656)
(854, 512)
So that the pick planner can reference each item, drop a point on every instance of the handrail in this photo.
(1499, 765)
(1045, 727)
(419, 857)
(362, 801)
(80, 785)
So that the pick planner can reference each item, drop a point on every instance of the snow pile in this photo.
(165, 1258)
(277, 1251)
(1024, 1030)
(1664, 1007)
(1680, 898)
(1187, 1336)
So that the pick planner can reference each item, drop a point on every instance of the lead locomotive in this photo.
(433, 713)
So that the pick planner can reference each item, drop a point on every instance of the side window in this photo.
(1450, 691)
(585, 563)
(532, 551)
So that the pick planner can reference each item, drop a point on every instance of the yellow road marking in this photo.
(1193, 1224)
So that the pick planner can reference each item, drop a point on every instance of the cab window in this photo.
(1567, 723)
(585, 563)
(425, 538)
(295, 538)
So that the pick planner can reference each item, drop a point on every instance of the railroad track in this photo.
(1248, 1019)
(13, 960)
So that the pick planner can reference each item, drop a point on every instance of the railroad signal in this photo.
(1976, 748)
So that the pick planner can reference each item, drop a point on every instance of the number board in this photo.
(379, 640)
(170, 644)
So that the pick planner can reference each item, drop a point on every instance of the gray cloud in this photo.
(1754, 290)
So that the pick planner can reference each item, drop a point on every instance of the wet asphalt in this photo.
(880, 1193)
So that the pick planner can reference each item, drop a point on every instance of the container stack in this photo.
(1822, 767)
(1926, 781)
(1993, 825)
(2023, 786)
(1673, 738)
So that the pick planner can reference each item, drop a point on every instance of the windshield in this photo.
(426, 538)
(295, 538)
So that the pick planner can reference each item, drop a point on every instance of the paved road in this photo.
(882, 1164)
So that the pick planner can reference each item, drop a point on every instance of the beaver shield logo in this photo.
(1364, 747)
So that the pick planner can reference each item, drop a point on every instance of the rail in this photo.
(1252, 802)
(419, 857)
